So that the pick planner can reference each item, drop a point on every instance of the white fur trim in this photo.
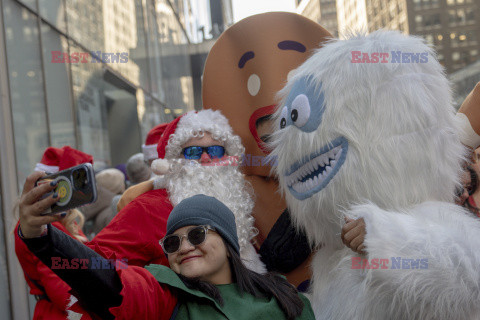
(71, 315)
(195, 124)
(150, 151)
(71, 301)
(159, 182)
(468, 136)
(160, 166)
(43, 167)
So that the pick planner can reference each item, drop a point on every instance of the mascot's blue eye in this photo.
(294, 115)
(300, 110)
(283, 118)
(305, 105)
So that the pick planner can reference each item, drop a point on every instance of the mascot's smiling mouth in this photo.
(310, 175)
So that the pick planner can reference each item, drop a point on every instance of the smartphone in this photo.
(76, 187)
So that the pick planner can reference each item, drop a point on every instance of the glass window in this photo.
(90, 107)
(452, 16)
(122, 122)
(470, 15)
(54, 12)
(461, 16)
(436, 20)
(429, 38)
(85, 23)
(32, 4)
(26, 87)
(58, 88)
(176, 74)
(136, 70)
(123, 38)
(155, 54)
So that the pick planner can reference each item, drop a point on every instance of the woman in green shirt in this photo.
(207, 279)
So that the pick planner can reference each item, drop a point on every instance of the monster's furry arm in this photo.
(444, 234)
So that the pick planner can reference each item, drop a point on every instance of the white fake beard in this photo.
(226, 184)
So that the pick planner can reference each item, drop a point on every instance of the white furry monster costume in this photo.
(379, 141)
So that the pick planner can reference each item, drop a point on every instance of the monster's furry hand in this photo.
(353, 234)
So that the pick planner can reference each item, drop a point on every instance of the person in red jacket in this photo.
(195, 156)
(207, 279)
(54, 300)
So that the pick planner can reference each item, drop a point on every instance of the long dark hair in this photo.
(259, 285)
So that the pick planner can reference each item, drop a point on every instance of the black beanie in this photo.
(203, 210)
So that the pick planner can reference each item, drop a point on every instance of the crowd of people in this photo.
(199, 156)
(176, 237)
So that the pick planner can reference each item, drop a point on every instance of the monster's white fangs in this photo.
(314, 172)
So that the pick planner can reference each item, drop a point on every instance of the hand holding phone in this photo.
(75, 187)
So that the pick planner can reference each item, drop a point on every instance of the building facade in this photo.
(452, 26)
(323, 12)
(390, 15)
(92, 74)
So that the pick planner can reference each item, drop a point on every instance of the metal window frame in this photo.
(9, 186)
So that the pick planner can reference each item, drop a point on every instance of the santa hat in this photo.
(190, 125)
(150, 147)
(58, 159)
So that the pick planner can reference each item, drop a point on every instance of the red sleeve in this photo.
(143, 296)
(41, 279)
(135, 232)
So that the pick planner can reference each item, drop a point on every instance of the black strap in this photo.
(175, 311)
(285, 248)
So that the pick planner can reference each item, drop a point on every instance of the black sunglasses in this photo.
(196, 236)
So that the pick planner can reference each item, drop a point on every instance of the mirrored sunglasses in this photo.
(195, 236)
(195, 152)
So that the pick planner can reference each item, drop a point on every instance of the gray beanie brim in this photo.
(204, 210)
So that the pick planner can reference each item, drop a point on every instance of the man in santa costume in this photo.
(198, 154)
(367, 131)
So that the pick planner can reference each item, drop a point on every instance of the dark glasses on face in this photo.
(196, 236)
(195, 152)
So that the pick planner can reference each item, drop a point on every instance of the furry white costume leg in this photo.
(367, 129)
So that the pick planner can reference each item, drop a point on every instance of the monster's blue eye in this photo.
(305, 105)
(300, 110)
(283, 118)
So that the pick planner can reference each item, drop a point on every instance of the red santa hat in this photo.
(150, 147)
(58, 159)
(190, 125)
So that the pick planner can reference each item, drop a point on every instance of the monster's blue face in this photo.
(304, 109)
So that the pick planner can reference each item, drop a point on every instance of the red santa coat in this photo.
(42, 281)
(135, 232)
